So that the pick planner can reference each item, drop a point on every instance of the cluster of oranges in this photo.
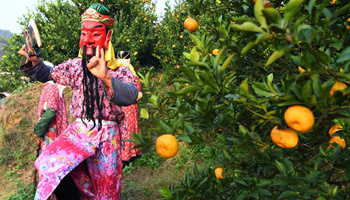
(336, 139)
(300, 118)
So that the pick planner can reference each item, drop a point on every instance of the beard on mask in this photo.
(91, 92)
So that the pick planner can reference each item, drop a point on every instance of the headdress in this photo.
(99, 13)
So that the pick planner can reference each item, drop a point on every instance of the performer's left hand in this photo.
(97, 67)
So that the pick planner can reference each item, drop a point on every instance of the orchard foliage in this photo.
(230, 102)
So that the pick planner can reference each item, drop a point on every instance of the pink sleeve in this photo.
(66, 73)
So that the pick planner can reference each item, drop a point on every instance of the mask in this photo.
(94, 34)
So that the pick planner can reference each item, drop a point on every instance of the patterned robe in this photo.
(92, 157)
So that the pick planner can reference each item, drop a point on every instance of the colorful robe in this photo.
(92, 157)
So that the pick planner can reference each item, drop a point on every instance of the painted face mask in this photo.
(95, 29)
(93, 34)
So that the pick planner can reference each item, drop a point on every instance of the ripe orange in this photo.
(215, 52)
(301, 70)
(338, 86)
(337, 140)
(135, 53)
(191, 24)
(167, 146)
(285, 138)
(334, 129)
(218, 173)
(299, 118)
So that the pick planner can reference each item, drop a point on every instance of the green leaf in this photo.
(344, 55)
(258, 7)
(209, 80)
(185, 138)
(272, 15)
(189, 89)
(310, 6)
(306, 91)
(221, 137)
(282, 168)
(218, 57)
(225, 65)
(144, 113)
(264, 192)
(291, 9)
(189, 129)
(247, 47)
(165, 192)
(247, 27)
(166, 126)
(201, 183)
(312, 177)
(305, 33)
(202, 65)
(187, 55)
(189, 74)
(194, 54)
(287, 194)
(276, 55)
(244, 87)
(227, 155)
(196, 39)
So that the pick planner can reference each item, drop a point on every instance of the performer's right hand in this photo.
(35, 60)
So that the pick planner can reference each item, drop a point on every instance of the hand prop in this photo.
(32, 41)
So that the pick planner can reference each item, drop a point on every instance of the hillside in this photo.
(4, 34)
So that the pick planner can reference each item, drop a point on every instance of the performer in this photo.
(131, 113)
(89, 149)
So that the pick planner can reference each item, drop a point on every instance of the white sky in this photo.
(12, 10)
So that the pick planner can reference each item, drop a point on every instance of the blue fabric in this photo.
(124, 93)
(39, 72)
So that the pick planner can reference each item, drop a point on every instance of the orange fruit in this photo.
(285, 138)
(191, 24)
(338, 86)
(334, 129)
(218, 173)
(301, 70)
(299, 118)
(167, 146)
(215, 51)
(337, 140)
(135, 53)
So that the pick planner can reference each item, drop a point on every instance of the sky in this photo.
(12, 10)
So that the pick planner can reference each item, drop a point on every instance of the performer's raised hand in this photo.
(97, 66)
(23, 51)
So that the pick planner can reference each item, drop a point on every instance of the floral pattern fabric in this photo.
(93, 157)
(132, 123)
(51, 97)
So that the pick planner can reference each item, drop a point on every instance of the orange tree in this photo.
(231, 102)
(59, 25)
(173, 39)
